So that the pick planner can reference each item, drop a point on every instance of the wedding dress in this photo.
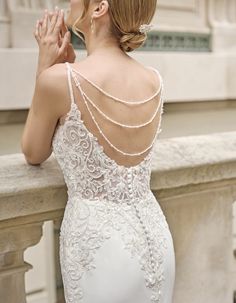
(115, 243)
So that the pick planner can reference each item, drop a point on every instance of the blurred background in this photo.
(193, 47)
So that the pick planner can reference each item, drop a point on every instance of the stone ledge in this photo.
(178, 163)
(13, 116)
(186, 161)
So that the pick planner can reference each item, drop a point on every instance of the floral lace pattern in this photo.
(89, 173)
(103, 197)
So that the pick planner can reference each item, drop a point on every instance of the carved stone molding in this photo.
(178, 42)
(4, 24)
(168, 41)
(222, 21)
(13, 242)
(222, 12)
(182, 15)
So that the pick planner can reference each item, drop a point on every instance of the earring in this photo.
(92, 25)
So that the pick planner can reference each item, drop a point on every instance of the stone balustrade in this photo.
(194, 180)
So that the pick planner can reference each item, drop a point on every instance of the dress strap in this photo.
(69, 74)
(159, 76)
(161, 86)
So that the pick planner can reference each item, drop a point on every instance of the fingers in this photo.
(52, 23)
(63, 31)
(50, 16)
(44, 26)
(36, 32)
(40, 28)
(65, 43)
(71, 53)
(59, 22)
(54, 17)
(60, 40)
(53, 36)
(64, 28)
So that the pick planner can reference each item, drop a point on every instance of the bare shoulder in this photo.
(51, 86)
(52, 76)
(152, 74)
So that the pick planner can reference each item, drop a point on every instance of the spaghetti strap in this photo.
(159, 76)
(161, 87)
(72, 99)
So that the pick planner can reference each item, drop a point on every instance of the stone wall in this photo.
(202, 76)
(217, 18)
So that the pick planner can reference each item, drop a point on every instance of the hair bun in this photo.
(131, 41)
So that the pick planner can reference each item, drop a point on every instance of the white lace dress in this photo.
(115, 243)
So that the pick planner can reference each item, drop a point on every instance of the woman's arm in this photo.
(54, 48)
(42, 119)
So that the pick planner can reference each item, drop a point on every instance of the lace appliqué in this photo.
(89, 173)
(86, 226)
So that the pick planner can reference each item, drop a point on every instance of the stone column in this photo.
(13, 242)
(4, 24)
(222, 20)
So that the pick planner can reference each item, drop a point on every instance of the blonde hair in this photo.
(126, 17)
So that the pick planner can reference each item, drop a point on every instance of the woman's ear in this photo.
(101, 9)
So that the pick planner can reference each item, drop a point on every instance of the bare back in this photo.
(131, 82)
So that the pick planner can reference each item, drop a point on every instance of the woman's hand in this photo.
(54, 41)
(70, 55)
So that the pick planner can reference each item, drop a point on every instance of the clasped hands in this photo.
(54, 40)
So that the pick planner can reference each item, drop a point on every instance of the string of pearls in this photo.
(118, 99)
(116, 122)
(77, 83)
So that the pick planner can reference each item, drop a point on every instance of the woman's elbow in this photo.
(31, 160)
(29, 157)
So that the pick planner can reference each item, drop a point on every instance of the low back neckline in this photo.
(101, 147)
(74, 110)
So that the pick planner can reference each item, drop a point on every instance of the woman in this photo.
(101, 117)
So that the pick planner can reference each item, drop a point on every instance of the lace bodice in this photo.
(89, 172)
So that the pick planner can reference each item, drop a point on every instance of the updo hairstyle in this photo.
(126, 18)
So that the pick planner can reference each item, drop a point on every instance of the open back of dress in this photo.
(115, 242)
